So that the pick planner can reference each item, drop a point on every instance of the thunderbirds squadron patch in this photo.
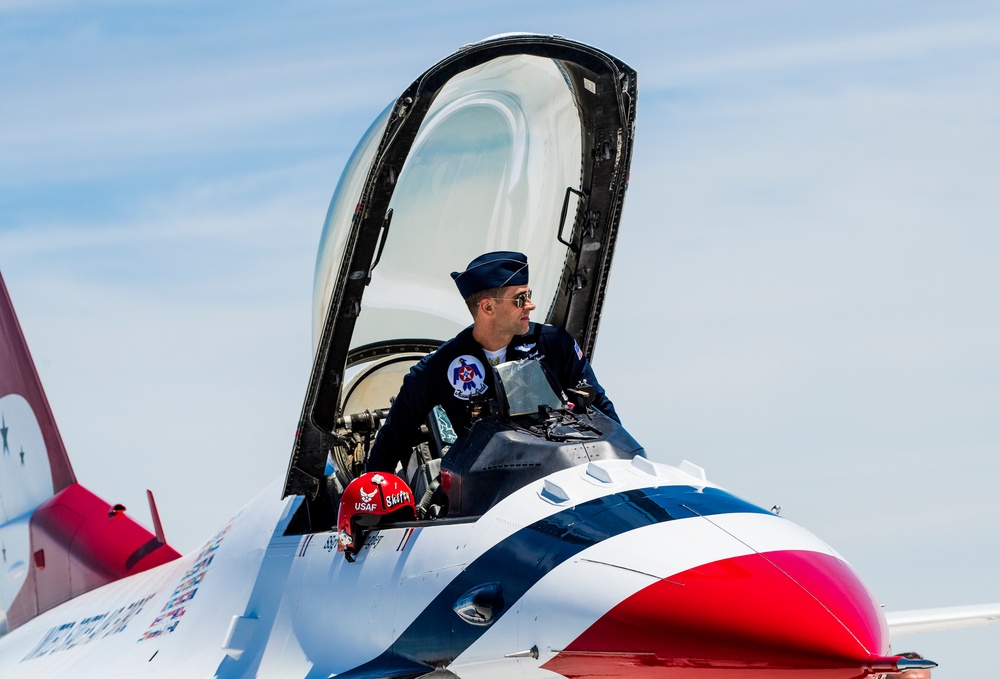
(467, 377)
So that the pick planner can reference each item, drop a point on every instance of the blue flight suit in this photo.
(459, 370)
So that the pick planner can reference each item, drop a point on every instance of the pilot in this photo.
(495, 288)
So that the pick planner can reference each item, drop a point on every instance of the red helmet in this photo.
(372, 499)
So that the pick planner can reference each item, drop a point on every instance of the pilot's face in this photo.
(511, 318)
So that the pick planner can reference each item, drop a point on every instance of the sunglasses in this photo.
(518, 301)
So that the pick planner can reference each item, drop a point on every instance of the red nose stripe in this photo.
(834, 584)
(779, 614)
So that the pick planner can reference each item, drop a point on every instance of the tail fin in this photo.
(57, 539)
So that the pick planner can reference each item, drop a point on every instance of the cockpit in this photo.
(520, 142)
(529, 431)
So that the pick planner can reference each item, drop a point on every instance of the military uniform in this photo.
(458, 371)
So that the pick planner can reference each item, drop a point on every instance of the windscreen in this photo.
(488, 170)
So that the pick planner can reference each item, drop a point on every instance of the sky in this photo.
(804, 299)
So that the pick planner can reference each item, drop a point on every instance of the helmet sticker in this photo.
(467, 376)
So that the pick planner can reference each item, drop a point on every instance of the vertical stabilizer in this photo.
(28, 433)
(57, 539)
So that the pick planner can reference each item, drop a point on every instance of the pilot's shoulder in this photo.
(547, 332)
(462, 343)
(557, 341)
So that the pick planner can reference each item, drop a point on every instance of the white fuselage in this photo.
(255, 602)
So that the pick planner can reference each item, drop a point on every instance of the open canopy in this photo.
(519, 142)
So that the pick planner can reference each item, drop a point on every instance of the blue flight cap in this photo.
(492, 270)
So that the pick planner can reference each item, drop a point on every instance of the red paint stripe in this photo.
(781, 614)
(83, 548)
(405, 539)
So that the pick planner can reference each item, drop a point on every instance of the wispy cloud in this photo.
(924, 43)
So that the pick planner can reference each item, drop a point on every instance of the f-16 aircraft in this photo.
(540, 542)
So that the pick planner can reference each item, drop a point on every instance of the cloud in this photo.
(872, 48)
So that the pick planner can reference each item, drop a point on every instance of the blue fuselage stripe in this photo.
(437, 636)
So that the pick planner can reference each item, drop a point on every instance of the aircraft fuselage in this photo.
(603, 569)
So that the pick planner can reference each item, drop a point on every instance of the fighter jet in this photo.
(541, 541)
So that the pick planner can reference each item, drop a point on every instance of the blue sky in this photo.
(804, 298)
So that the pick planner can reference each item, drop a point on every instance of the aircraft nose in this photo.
(781, 614)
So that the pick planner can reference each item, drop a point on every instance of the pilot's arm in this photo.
(401, 429)
(601, 400)
(571, 366)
